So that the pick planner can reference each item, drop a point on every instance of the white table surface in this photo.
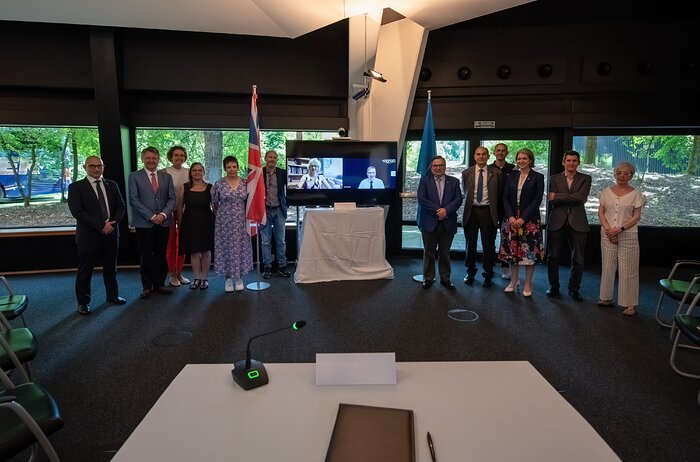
(475, 411)
(343, 244)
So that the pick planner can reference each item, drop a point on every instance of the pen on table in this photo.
(432, 448)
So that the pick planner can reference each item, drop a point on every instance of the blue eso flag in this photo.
(428, 149)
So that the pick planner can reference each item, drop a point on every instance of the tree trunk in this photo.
(74, 148)
(28, 197)
(591, 148)
(694, 155)
(213, 147)
(63, 167)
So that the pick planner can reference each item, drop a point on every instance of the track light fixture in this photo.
(464, 73)
(545, 70)
(374, 74)
(503, 72)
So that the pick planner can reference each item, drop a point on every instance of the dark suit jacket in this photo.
(429, 201)
(85, 207)
(568, 204)
(530, 196)
(281, 185)
(493, 186)
(145, 203)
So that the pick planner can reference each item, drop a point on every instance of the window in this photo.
(210, 147)
(666, 172)
(36, 166)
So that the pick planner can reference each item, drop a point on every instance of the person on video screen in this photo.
(371, 182)
(314, 179)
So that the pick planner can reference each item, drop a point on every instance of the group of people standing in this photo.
(508, 197)
(175, 213)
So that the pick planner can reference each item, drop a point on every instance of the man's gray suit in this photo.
(567, 221)
(481, 218)
(152, 238)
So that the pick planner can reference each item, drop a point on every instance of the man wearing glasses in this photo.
(97, 206)
(439, 196)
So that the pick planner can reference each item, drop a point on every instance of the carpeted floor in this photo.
(106, 370)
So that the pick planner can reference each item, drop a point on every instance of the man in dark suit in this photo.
(276, 211)
(439, 197)
(97, 206)
(568, 193)
(152, 200)
(500, 152)
(482, 187)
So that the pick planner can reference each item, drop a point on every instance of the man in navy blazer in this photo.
(567, 221)
(439, 197)
(97, 206)
(152, 200)
(481, 213)
(276, 211)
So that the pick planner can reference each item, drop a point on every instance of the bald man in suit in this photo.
(97, 205)
(567, 221)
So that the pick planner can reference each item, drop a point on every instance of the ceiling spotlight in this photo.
(464, 73)
(375, 75)
(425, 74)
(604, 69)
(544, 70)
(503, 72)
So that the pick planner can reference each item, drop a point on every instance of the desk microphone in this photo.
(250, 373)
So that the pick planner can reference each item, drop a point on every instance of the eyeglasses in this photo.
(438, 166)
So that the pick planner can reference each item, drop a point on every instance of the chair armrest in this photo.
(682, 263)
(7, 398)
(7, 285)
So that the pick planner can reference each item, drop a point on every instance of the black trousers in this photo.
(153, 244)
(90, 252)
(437, 242)
(480, 222)
(577, 244)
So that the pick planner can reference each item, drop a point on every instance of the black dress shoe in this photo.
(487, 282)
(469, 280)
(576, 295)
(427, 284)
(164, 290)
(552, 292)
(84, 309)
(145, 294)
(448, 285)
(116, 300)
(284, 272)
(267, 273)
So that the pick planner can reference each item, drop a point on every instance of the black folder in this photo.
(372, 434)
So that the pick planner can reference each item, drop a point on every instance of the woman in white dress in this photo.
(314, 179)
(619, 212)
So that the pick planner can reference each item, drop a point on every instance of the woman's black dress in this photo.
(197, 226)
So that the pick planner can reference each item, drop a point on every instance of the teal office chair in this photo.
(12, 305)
(688, 328)
(18, 346)
(28, 414)
(680, 289)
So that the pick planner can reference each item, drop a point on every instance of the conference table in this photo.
(475, 411)
(342, 244)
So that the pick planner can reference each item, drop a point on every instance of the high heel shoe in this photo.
(527, 293)
(511, 288)
(204, 285)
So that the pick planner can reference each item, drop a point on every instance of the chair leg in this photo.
(41, 438)
(672, 360)
(658, 312)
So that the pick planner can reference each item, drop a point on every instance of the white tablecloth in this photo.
(343, 245)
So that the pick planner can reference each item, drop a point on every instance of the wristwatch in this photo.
(622, 228)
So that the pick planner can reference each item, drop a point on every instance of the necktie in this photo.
(480, 186)
(154, 183)
(438, 183)
(371, 186)
(101, 200)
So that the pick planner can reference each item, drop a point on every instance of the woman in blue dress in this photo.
(233, 252)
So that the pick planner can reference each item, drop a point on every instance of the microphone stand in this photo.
(259, 285)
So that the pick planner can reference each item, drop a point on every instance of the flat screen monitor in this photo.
(324, 172)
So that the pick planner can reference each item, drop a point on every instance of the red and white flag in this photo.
(255, 206)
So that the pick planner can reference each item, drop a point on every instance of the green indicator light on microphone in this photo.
(254, 374)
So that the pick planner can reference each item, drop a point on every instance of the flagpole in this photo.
(424, 156)
(258, 285)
